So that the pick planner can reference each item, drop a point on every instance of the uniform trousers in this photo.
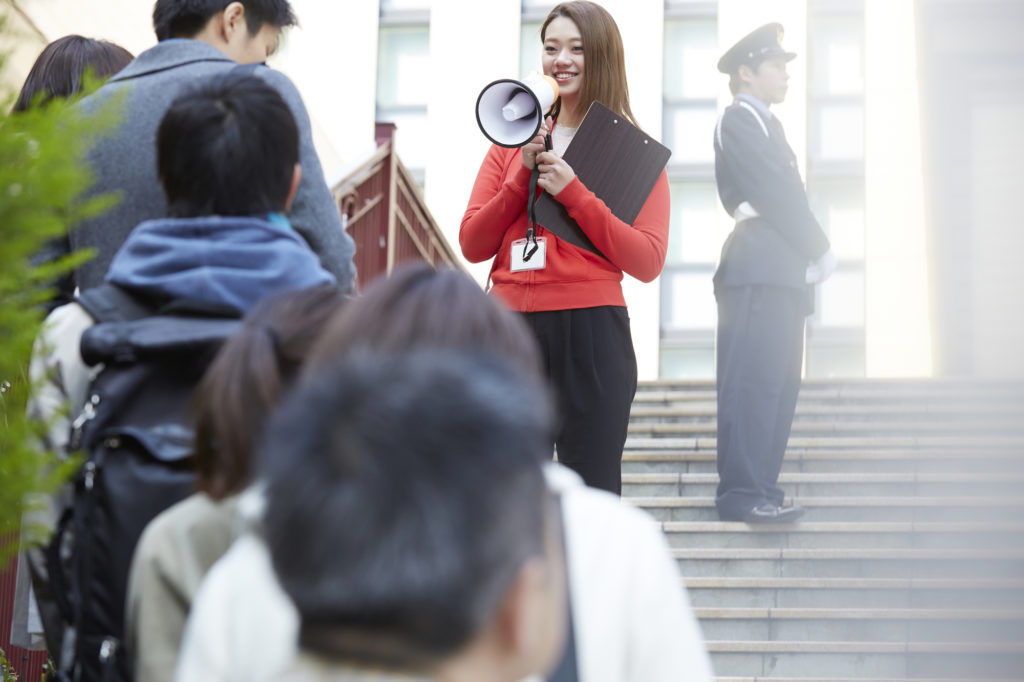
(588, 357)
(760, 349)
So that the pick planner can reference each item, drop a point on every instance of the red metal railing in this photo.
(28, 665)
(384, 212)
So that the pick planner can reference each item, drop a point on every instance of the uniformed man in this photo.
(774, 253)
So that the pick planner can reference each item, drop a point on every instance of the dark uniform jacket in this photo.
(755, 164)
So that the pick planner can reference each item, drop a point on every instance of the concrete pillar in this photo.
(641, 23)
(897, 309)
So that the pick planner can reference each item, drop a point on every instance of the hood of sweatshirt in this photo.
(219, 260)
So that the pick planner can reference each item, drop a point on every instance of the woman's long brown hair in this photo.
(604, 60)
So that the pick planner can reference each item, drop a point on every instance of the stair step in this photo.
(849, 563)
(863, 624)
(841, 461)
(851, 679)
(817, 484)
(710, 444)
(854, 508)
(821, 661)
(854, 593)
(838, 534)
(869, 647)
(850, 429)
(696, 408)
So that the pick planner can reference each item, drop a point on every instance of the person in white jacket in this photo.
(631, 618)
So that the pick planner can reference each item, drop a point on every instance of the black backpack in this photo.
(135, 436)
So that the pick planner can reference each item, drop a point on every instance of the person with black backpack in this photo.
(126, 356)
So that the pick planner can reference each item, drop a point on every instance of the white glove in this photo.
(821, 269)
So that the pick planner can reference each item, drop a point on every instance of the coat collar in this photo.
(169, 54)
(761, 107)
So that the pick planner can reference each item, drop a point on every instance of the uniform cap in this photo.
(754, 48)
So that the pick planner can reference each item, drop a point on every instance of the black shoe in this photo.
(769, 513)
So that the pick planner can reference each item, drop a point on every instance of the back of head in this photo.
(604, 79)
(228, 147)
(247, 379)
(417, 306)
(404, 494)
(60, 67)
(186, 18)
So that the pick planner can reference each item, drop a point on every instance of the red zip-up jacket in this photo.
(573, 277)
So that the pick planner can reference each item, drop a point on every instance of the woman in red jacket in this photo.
(574, 302)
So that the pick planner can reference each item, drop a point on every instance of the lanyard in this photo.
(530, 247)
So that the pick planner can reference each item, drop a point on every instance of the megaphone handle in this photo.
(547, 142)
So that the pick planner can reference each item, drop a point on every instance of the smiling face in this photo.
(563, 58)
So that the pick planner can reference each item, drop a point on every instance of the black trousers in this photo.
(760, 348)
(588, 356)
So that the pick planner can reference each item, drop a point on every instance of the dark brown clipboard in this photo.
(616, 161)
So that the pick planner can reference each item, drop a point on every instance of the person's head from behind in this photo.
(247, 379)
(408, 518)
(418, 306)
(60, 68)
(583, 52)
(247, 31)
(229, 147)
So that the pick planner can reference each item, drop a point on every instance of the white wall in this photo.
(464, 58)
(332, 58)
(128, 23)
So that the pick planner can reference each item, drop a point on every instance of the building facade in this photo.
(855, 116)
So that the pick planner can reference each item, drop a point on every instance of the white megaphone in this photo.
(510, 112)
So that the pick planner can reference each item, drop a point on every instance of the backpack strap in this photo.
(110, 303)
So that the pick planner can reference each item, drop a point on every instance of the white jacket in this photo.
(631, 615)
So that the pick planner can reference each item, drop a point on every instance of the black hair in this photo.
(58, 70)
(229, 147)
(404, 491)
(186, 18)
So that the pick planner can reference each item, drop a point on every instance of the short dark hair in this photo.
(417, 306)
(403, 494)
(59, 68)
(186, 18)
(228, 147)
(248, 378)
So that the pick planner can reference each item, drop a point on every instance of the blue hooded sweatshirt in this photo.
(225, 260)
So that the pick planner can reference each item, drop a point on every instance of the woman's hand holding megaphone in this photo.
(555, 173)
(536, 145)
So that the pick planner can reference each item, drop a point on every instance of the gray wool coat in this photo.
(125, 160)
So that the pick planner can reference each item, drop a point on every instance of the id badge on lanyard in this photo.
(530, 253)
(527, 255)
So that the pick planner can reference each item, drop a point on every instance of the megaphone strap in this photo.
(530, 247)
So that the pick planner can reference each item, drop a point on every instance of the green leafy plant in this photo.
(7, 673)
(43, 175)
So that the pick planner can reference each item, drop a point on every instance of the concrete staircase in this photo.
(910, 561)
